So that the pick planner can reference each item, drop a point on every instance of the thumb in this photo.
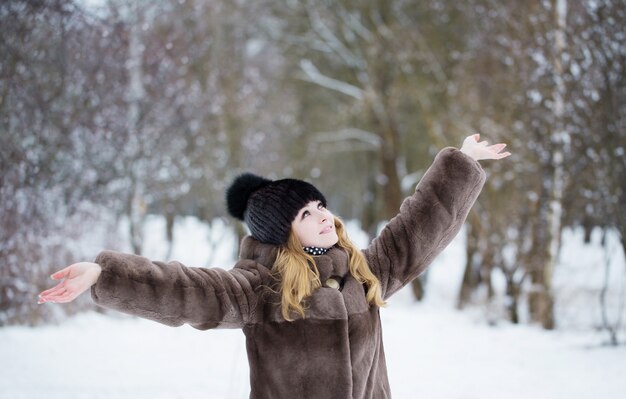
(61, 274)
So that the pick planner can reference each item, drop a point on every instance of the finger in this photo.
(58, 292)
(46, 300)
(62, 299)
(497, 147)
(52, 298)
(56, 298)
(502, 155)
(477, 137)
(53, 289)
(43, 300)
(61, 273)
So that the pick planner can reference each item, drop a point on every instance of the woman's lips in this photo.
(326, 230)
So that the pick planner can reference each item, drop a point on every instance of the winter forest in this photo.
(113, 112)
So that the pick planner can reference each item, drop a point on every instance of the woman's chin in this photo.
(323, 241)
(329, 239)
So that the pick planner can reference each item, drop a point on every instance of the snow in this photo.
(433, 351)
(315, 76)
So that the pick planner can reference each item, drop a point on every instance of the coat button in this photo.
(332, 283)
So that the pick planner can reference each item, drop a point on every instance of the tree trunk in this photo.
(545, 306)
(470, 277)
(170, 219)
(135, 205)
(540, 301)
(390, 192)
(512, 294)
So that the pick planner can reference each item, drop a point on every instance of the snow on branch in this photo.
(331, 40)
(313, 75)
(366, 137)
(355, 25)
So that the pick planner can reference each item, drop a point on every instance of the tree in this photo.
(378, 75)
(51, 133)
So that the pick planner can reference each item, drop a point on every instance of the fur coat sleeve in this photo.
(427, 222)
(173, 294)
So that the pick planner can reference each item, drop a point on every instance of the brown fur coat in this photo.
(336, 351)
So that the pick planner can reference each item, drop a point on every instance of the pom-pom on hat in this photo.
(269, 206)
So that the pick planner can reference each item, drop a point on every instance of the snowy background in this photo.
(119, 110)
(433, 351)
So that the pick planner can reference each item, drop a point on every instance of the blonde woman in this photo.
(305, 297)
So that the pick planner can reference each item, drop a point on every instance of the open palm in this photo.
(76, 279)
(482, 150)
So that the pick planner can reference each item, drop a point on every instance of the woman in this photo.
(307, 300)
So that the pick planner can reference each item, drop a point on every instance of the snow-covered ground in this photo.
(432, 350)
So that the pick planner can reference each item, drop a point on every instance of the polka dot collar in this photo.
(315, 251)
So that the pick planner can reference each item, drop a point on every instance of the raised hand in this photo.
(482, 150)
(76, 279)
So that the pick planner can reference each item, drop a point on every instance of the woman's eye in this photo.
(320, 206)
(305, 214)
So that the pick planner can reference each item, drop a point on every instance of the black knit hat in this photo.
(268, 207)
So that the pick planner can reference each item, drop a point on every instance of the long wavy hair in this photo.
(299, 278)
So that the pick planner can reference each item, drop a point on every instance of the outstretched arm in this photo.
(169, 293)
(430, 218)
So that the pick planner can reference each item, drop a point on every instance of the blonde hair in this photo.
(299, 278)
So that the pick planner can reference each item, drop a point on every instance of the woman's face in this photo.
(315, 226)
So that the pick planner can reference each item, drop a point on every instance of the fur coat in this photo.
(336, 351)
